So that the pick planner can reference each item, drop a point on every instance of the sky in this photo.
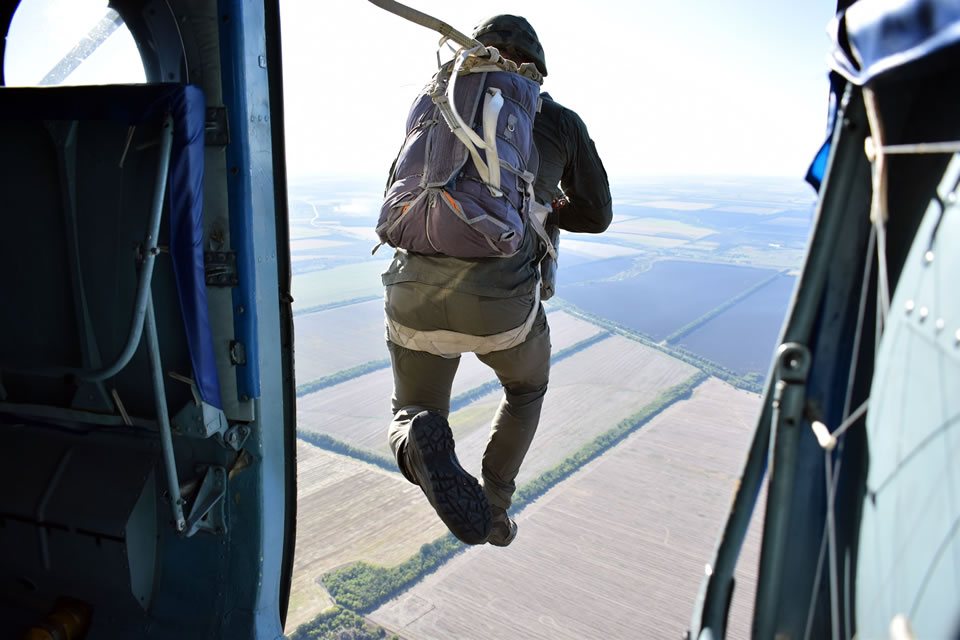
(684, 87)
(44, 31)
(688, 87)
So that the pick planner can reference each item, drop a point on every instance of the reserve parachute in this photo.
(461, 185)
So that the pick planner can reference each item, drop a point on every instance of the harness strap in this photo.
(538, 214)
(425, 20)
(450, 344)
(878, 206)
(492, 103)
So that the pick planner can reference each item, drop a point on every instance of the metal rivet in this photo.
(910, 305)
(951, 197)
(940, 324)
(928, 257)
(924, 312)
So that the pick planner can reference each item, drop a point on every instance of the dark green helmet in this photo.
(515, 32)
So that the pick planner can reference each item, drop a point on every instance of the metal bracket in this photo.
(207, 512)
(793, 362)
(238, 353)
(92, 396)
(220, 268)
(200, 420)
(236, 436)
(793, 366)
(216, 127)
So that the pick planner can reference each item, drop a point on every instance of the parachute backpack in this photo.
(462, 184)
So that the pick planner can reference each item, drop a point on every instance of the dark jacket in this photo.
(568, 158)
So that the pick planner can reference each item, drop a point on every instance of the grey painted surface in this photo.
(909, 549)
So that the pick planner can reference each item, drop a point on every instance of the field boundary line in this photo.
(334, 305)
(707, 366)
(463, 399)
(329, 443)
(361, 587)
(713, 313)
(339, 377)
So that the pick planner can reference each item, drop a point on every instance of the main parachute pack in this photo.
(461, 185)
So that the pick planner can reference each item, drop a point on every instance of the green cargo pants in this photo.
(423, 381)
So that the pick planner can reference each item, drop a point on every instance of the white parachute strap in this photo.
(873, 146)
(492, 103)
(538, 216)
(450, 344)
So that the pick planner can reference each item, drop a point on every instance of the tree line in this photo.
(748, 382)
(362, 587)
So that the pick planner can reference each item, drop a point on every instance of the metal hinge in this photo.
(238, 353)
(217, 130)
(207, 511)
(220, 268)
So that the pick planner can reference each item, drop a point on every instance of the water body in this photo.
(668, 296)
(593, 270)
(743, 338)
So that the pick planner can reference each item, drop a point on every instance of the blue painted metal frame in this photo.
(233, 37)
(259, 526)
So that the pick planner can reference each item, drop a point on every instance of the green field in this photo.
(345, 282)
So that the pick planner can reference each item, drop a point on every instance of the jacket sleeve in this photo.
(584, 182)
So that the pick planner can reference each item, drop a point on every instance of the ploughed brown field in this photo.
(565, 330)
(349, 510)
(615, 551)
(337, 339)
(358, 411)
(346, 511)
(589, 393)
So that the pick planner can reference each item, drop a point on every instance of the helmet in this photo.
(514, 31)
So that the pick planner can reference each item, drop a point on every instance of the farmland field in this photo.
(675, 205)
(656, 226)
(767, 256)
(565, 330)
(759, 211)
(594, 249)
(665, 298)
(347, 511)
(591, 271)
(346, 282)
(589, 393)
(743, 337)
(615, 551)
(336, 339)
(645, 241)
(358, 411)
(314, 244)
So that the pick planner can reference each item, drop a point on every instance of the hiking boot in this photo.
(454, 494)
(504, 529)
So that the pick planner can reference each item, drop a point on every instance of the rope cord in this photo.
(827, 439)
(877, 153)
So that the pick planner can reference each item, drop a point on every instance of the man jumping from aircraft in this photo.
(486, 297)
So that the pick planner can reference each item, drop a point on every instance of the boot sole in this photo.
(454, 494)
